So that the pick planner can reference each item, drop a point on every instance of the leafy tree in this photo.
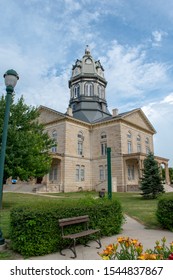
(151, 181)
(27, 150)
(171, 174)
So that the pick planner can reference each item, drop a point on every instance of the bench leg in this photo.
(99, 242)
(72, 247)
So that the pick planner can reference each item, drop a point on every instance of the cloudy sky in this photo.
(133, 39)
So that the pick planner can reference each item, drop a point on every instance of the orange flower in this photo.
(120, 239)
(134, 241)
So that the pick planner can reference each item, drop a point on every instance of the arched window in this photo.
(89, 89)
(101, 92)
(138, 138)
(76, 91)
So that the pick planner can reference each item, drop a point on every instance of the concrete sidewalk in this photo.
(131, 229)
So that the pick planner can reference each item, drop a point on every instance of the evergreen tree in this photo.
(151, 181)
(27, 150)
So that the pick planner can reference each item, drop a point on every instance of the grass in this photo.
(140, 209)
(132, 203)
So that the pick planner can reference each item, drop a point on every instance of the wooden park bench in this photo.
(73, 236)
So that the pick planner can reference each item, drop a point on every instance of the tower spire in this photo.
(87, 50)
(88, 89)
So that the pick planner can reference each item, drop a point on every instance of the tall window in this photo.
(101, 92)
(131, 173)
(138, 147)
(54, 137)
(80, 173)
(89, 89)
(80, 143)
(102, 172)
(138, 139)
(129, 143)
(53, 174)
(76, 90)
(103, 144)
(129, 146)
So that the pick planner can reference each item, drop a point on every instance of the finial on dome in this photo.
(87, 50)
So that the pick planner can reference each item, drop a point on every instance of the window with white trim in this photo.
(80, 173)
(89, 89)
(102, 172)
(76, 91)
(129, 147)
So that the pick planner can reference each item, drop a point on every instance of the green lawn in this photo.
(132, 203)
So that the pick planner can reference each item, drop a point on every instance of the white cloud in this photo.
(158, 36)
(168, 99)
(130, 73)
(161, 116)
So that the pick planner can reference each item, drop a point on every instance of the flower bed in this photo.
(131, 249)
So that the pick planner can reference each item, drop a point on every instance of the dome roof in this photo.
(88, 67)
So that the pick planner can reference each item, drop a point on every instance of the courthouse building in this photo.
(83, 133)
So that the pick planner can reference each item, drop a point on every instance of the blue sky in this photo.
(133, 39)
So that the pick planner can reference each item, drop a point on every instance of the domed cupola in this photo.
(87, 89)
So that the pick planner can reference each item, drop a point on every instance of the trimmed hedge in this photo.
(164, 212)
(35, 230)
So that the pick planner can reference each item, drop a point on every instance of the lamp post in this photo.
(11, 78)
(109, 173)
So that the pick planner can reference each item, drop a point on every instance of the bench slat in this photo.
(73, 220)
(80, 234)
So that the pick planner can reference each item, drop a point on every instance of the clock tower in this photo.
(87, 90)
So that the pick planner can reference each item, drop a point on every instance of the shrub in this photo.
(35, 231)
(151, 181)
(164, 212)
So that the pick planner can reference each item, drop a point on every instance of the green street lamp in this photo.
(11, 78)
(109, 173)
